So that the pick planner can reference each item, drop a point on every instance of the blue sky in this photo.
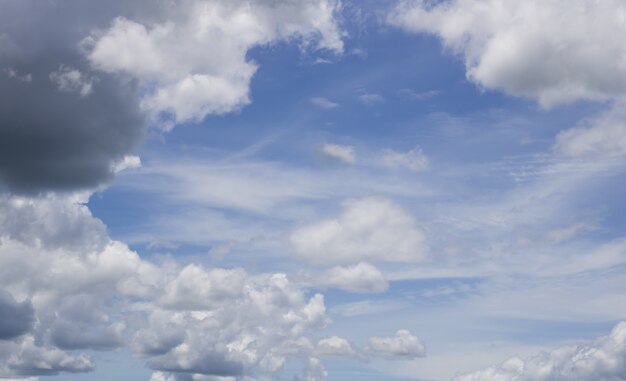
(314, 191)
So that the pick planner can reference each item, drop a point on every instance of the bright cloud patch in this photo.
(367, 229)
(195, 63)
(556, 51)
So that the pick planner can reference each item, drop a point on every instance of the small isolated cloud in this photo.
(337, 152)
(414, 160)
(402, 346)
(324, 103)
(367, 229)
(371, 99)
(72, 80)
(602, 360)
(337, 347)
(362, 277)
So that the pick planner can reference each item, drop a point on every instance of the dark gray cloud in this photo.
(15, 318)
(53, 136)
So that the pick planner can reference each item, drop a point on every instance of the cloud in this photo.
(72, 80)
(95, 293)
(371, 99)
(197, 288)
(361, 277)
(602, 360)
(255, 326)
(402, 346)
(602, 136)
(60, 129)
(338, 153)
(129, 162)
(30, 359)
(413, 160)
(17, 318)
(324, 103)
(367, 229)
(337, 347)
(556, 52)
(194, 64)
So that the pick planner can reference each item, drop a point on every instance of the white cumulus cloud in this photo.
(367, 229)
(556, 51)
(194, 63)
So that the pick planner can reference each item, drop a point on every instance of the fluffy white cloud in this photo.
(362, 277)
(368, 229)
(402, 346)
(602, 360)
(338, 153)
(602, 136)
(556, 51)
(414, 160)
(194, 63)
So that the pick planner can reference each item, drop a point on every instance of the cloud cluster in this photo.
(556, 51)
(67, 288)
(602, 360)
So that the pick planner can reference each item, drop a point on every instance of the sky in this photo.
(312, 190)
